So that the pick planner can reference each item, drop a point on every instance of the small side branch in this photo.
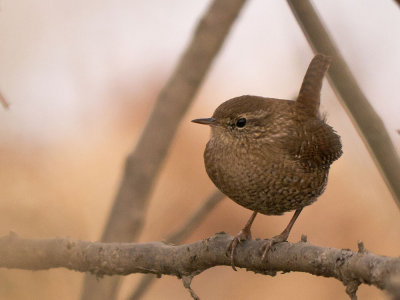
(190, 260)
(195, 220)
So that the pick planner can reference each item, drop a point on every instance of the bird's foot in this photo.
(243, 235)
(270, 242)
(279, 238)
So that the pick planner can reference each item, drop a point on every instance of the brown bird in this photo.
(271, 155)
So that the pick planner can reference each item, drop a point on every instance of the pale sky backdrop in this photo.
(60, 59)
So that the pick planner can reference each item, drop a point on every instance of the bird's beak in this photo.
(205, 121)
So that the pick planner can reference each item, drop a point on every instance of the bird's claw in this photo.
(243, 235)
(230, 251)
(269, 243)
(264, 249)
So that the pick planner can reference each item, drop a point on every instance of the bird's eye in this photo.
(241, 122)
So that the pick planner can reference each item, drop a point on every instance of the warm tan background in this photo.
(81, 77)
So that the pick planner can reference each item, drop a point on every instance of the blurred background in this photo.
(81, 78)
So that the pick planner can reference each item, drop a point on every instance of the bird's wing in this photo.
(314, 144)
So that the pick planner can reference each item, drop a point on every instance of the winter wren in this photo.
(271, 155)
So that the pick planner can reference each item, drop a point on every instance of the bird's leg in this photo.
(244, 234)
(281, 237)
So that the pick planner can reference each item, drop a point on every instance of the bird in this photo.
(271, 155)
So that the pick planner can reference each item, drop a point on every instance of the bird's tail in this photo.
(309, 95)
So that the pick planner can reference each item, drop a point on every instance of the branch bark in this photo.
(366, 120)
(179, 236)
(143, 164)
(352, 268)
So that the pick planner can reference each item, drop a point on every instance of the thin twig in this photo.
(190, 260)
(179, 236)
(3, 101)
(143, 164)
(364, 117)
(187, 281)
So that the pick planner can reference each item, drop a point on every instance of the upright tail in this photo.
(309, 95)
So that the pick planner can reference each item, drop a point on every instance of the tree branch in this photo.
(352, 268)
(143, 163)
(366, 120)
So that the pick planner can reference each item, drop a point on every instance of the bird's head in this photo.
(242, 118)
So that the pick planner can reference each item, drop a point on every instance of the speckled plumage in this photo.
(270, 155)
(278, 162)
